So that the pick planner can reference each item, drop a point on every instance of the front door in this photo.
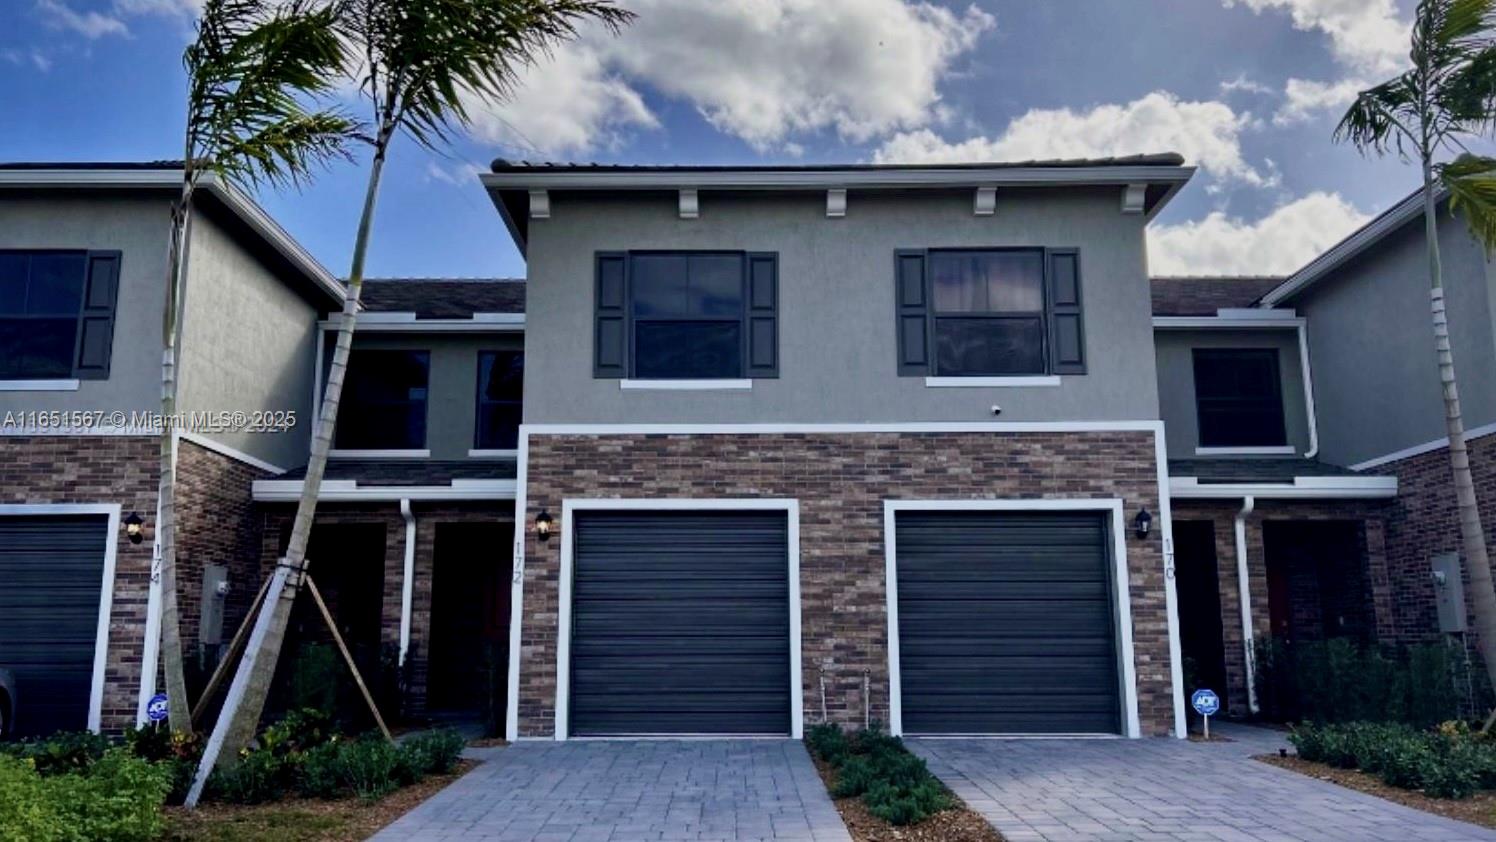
(469, 616)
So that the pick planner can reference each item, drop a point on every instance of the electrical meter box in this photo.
(1449, 592)
(215, 588)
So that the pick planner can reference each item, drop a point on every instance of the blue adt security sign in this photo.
(155, 709)
(1205, 702)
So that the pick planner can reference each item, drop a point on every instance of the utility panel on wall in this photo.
(1449, 592)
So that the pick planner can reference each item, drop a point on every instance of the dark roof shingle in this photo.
(444, 298)
(1255, 470)
(1203, 296)
(402, 472)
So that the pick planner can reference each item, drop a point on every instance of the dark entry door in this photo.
(51, 572)
(680, 623)
(469, 615)
(1006, 623)
(1197, 581)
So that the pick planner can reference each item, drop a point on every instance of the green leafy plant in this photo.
(259, 776)
(61, 753)
(320, 773)
(372, 769)
(895, 785)
(118, 799)
(434, 753)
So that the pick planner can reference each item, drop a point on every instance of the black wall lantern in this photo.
(133, 525)
(1143, 523)
(544, 525)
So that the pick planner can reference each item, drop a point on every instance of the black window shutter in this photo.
(913, 321)
(1067, 336)
(763, 315)
(96, 320)
(610, 317)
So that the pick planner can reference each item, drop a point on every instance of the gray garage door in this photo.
(680, 623)
(50, 571)
(1005, 623)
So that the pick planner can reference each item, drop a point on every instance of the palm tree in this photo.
(249, 70)
(424, 62)
(1448, 95)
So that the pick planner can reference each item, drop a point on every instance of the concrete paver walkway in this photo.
(632, 791)
(1167, 789)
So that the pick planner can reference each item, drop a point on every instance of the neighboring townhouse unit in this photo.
(415, 522)
(83, 251)
(780, 401)
(1380, 401)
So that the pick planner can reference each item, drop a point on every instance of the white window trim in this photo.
(1273, 450)
(1161, 471)
(106, 588)
(393, 453)
(1122, 610)
(732, 384)
(569, 508)
(993, 382)
(488, 453)
(64, 385)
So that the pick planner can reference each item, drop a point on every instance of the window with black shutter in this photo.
(989, 312)
(57, 313)
(1239, 397)
(671, 315)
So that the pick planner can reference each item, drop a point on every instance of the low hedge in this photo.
(1449, 762)
(895, 785)
(117, 797)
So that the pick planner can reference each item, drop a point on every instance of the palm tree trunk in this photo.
(238, 722)
(179, 709)
(1472, 535)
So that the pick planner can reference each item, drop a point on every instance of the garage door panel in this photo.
(1006, 622)
(51, 569)
(680, 623)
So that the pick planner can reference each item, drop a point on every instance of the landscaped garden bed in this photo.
(884, 792)
(1448, 770)
(84, 786)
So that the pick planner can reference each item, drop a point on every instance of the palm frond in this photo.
(1471, 182)
(1382, 119)
(253, 69)
(427, 59)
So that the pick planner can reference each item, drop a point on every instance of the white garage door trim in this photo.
(1122, 615)
(106, 588)
(569, 508)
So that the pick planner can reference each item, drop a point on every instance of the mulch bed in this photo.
(958, 824)
(301, 819)
(1478, 809)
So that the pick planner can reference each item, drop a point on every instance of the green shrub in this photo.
(118, 800)
(298, 731)
(435, 752)
(320, 773)
(26, 813)
(371, 768)
(61, 753)
(895, 785)
(259, 776)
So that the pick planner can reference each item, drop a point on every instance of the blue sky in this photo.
(1249, 90)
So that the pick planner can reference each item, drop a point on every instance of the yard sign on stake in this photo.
(1206, 703)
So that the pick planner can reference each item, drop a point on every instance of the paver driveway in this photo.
(632, 791)
(1166, 789)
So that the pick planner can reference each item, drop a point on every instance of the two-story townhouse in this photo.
(841, 442)
(83, 260)
(1379, 398)
(1271, 540)
(415, 520)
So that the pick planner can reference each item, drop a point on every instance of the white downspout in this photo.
(1308, 377)
(408, 585)
(1244, 592)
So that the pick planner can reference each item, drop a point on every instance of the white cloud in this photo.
(461, 174)
(1242, 84)
(1365, 35)
(570, 103)
(761, 70)
(1205, 133)
(89, 24)
(159, 7)
(1304, 98)
(34, 57)
(1279, 243)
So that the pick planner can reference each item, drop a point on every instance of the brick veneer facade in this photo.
(841, 481)
(428, 516)
(1424, 524)
(1373, 585)
(98, 469)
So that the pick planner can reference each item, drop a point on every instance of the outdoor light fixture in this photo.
(132, 528)
(1143, 523)
(543, 526)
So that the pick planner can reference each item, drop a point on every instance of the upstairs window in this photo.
(384, 401)
(501, 380)
(57, 314)
(686, 315)
(1239, 397)
(989, 312)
